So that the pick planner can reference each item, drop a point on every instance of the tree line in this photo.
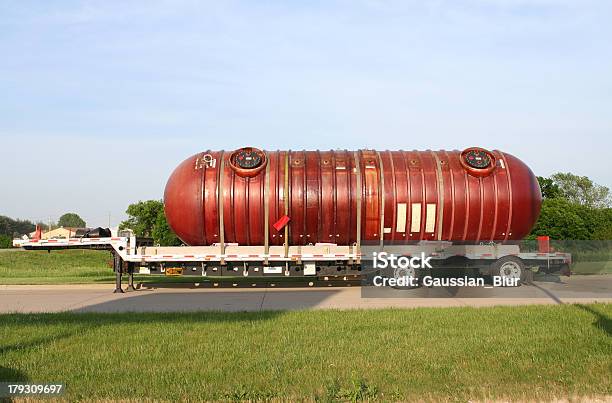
(574, 208)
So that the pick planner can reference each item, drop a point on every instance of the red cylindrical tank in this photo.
(345, 197)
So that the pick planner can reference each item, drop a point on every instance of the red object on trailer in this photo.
(544, 244)
(37, 233)
(280, 224)
(344, 197)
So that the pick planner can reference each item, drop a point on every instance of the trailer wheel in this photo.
(409, 272)
(509, 269)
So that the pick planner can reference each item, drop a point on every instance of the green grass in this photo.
(531, 352)
(57, 267)
(602, 267)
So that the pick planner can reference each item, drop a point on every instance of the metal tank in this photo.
(255, 197)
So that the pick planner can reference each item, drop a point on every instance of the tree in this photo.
(602, 224)
(574, 208)
(5, 241)
(162, 234)
(561, 219)
(582, 190)
(71, 220)
(142, 217)
(15, 228)
(148, 219)
(549, 188)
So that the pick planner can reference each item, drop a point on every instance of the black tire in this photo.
(397, 273)
(509, 268)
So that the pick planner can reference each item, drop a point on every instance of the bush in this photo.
(5, 242)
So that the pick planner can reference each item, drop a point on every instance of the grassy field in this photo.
(533, 352)
(57, 267)
(602, 267)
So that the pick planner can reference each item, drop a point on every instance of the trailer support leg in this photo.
(118, 266)
(130, 286)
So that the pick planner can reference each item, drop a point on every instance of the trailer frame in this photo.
(136, 255)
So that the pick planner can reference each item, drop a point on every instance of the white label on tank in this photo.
(430, 223)
(400, 224)
(415, 223)
(387, 230)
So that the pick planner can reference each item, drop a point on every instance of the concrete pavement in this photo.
(168, 298)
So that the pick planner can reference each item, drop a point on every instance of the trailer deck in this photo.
(136, 255)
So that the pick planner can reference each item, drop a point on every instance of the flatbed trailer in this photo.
(136, 255)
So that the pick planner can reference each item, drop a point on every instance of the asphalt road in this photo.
(168, 298)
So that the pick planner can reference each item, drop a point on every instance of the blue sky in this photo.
(100, 100)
